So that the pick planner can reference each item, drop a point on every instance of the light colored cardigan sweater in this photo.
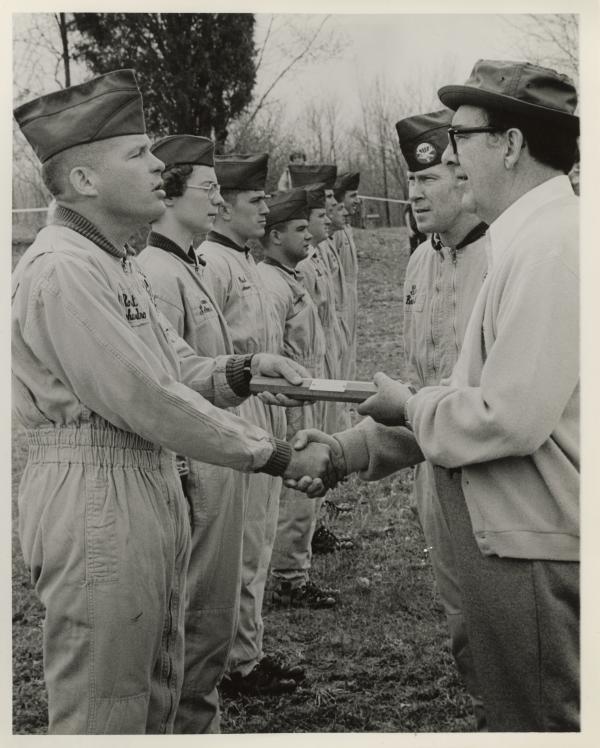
(509, 415)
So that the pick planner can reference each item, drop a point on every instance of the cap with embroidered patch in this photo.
(287, 206)
(303, 174)
(423, 138)
(517, 87)
(105, 107)
(242, 171)
(184, 149)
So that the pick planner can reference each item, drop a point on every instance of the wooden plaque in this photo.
(337, 390)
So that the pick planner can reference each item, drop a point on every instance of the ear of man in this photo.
(515, 143)
(70, 174)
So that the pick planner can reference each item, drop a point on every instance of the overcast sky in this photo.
(401, 48)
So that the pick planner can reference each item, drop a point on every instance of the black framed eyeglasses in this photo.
(455, 133)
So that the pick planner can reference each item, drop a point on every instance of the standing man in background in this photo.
(346, 194)
(238, 291)
(443, 279)
(286, 243)
(336, 415)
(285, 180)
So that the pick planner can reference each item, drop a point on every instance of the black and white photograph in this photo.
(295, 370)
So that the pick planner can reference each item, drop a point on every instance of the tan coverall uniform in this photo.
(346, 249)
(440, 289)
(238, 291)
(217, 496)
(103, 386)
(304, 342)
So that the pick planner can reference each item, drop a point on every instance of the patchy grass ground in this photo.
(380, 661)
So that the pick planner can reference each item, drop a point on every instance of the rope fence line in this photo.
(30, 210)
(384, 199)
(362, 197)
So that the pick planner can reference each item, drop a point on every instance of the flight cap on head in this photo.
(105, 107)
(242, 171)
(184, 149)
(302, 174)
(534, 91)
(287, 206)
(423, 138)
(347, 181)
(315, 195)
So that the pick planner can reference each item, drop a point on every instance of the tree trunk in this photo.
(63, 27)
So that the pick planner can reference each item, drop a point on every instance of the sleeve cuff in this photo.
(238, 375)
(279, 460)
(354, 447)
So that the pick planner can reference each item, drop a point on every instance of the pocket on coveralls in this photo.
(102, 563)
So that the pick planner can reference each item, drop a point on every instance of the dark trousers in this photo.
(522, 619)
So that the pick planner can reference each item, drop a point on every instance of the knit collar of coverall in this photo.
(214, 236)
(155, 239)
(70, 219)
(290, 271)
(472, 236)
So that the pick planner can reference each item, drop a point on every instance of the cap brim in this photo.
(455, 96)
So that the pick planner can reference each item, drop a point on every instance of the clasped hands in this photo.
(318, 462)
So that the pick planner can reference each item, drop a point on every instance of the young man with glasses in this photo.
(217, 496)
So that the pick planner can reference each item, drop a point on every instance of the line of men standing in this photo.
(171, 331)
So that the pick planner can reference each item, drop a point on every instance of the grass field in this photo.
(380, 661)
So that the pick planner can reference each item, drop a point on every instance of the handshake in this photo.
(317, 463)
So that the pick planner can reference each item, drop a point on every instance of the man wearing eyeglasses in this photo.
(217, 495)
(505, 428)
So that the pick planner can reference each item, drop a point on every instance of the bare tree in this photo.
(287, 43)
(549, 39)
(42, 62)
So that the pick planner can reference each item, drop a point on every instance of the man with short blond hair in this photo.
(108, 392)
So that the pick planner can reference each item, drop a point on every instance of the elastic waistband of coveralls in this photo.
(96, 443)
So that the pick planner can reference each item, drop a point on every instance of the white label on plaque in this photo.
(328, 385)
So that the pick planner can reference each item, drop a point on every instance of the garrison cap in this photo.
(345, 182)
(287, 206)
(315, 195)
(242, 171)
(105, 107)
(184, 149)
(536, 92)
(423, 138)
(302, 174)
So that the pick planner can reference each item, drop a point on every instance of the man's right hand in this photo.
(311, 467)
(309, 483)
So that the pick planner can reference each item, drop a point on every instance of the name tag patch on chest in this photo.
(414, 301)
(204, 307)
(411, 296)
(244, 283)
(135, 305)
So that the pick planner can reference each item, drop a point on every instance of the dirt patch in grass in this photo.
(379, 661)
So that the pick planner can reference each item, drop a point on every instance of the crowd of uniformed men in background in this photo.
(158, 492)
